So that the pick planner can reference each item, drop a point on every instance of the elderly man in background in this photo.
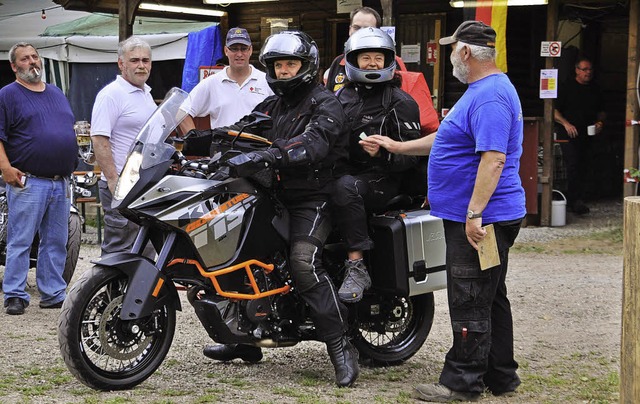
(38, 153)
(119, 112)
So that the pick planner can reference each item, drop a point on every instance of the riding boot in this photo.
(344, 357)
(227, 352)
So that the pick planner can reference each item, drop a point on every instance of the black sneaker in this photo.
(15, 305)
(56, 305)
(356, 281)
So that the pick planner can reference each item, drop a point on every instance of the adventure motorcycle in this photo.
(224, 238)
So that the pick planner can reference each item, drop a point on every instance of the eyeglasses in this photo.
(236, 49)
(585, 69)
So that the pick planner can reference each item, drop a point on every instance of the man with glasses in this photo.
(231, 93)
(579, 114)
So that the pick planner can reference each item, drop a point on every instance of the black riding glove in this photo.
(249, 163)
(196, 133)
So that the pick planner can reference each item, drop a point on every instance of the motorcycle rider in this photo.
(374, 104)
(308, 152)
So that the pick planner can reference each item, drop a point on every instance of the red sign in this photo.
(432, 52)
(206, 71)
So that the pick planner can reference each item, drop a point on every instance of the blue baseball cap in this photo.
(238, 35)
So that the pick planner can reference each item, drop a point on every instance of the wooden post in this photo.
(127, 15)
(547, 127)
(632, 112)
(630, 340)
(387, 12)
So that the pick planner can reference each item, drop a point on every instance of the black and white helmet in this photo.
(290, 45)
(369, 39)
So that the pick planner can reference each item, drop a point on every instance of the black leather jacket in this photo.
(382, 109)
(309, 129)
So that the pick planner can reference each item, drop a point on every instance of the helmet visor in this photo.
(285, 45)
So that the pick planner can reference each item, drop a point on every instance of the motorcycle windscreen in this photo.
(159, 126)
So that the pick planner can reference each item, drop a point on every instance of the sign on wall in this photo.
(206, 71)
(549, 83)
(346, 6)
(550, 49)
(410, 53)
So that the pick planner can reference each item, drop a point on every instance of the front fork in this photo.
(148, 287)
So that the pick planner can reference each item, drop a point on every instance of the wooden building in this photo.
(605, 30)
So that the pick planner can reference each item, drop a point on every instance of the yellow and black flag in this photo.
(494, 13)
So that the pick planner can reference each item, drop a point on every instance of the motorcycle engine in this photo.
(257, 311)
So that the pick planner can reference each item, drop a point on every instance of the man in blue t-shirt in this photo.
(38, 153)
(473, 182)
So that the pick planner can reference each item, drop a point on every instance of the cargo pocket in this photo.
(473, 339)
(470, 289)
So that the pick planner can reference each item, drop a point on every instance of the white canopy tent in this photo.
(78, 37)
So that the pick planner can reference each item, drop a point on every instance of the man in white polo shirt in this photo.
(232, 93)
(120, 110)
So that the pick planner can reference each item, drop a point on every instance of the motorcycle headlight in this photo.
(129, 176)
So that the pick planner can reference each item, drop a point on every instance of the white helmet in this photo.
(369, 39)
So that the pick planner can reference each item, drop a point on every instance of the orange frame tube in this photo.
(257, 294)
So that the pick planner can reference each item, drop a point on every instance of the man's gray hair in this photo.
(481, 53)
(130, 44)
(12, 51)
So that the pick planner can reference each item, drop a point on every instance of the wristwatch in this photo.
(472, 215)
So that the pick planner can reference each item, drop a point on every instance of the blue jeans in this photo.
(42, 206)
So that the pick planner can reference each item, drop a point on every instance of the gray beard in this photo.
(29, 75)
(461, 72)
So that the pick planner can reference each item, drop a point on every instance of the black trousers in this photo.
(309, 228)
(575, 156)
(355, 195)
(482, 351)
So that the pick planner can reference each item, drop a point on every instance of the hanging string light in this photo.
(43, 15)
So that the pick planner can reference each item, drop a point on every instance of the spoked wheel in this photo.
(101, 350)
(393, 328)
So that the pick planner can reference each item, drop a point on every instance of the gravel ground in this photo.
(567, 336)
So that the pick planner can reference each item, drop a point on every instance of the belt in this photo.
(54, 178)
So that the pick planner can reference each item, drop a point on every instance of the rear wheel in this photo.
(392, 329)
(100, 349)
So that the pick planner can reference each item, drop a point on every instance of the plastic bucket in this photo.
(559, 210)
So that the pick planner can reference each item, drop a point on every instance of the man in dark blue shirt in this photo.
(38, 153)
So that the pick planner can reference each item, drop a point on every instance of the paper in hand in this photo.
(488, 249)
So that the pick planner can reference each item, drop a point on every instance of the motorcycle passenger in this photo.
(308, 148)
(374, 105)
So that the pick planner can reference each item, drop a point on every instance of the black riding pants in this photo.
(352, 198)
(309, 227)
(482, 351)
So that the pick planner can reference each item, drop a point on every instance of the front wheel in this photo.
(101, 350)
(73, 246)
(391, 329)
